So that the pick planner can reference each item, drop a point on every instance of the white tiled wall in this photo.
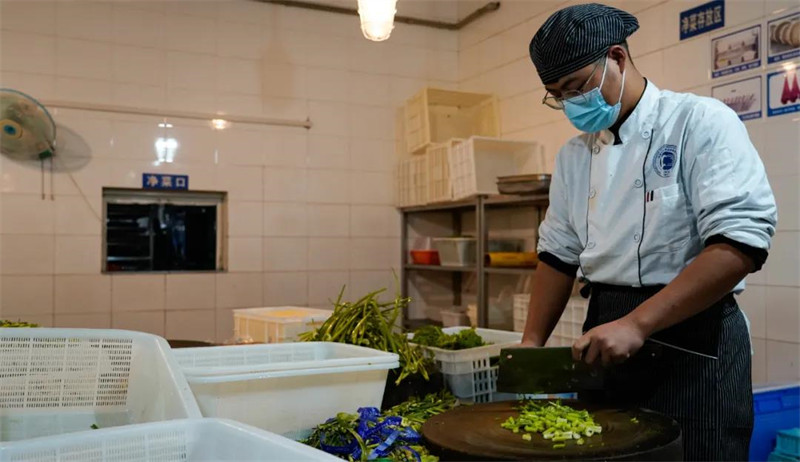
(493, 57)
(309, 210)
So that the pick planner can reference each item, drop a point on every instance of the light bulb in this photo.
(219, 124)
(377, 18)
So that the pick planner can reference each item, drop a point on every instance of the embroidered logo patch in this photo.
(665, 160)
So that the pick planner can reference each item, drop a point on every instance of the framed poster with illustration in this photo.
(783, 35)
(736, 52)
(743, 96)
(783, 90)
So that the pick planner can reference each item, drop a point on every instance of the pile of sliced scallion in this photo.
(554, 421)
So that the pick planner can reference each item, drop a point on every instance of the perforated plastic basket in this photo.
(189, 440)
(286, 388)
(277, 324)
(55, 381)
(470, 374)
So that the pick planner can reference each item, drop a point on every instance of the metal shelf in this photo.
(481, 205)
(470, 269)
(457, 269)
(517, 271)
(489, 202)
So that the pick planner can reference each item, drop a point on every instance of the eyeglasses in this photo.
(557, 102)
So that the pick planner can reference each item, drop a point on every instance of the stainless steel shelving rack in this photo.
(480, 205)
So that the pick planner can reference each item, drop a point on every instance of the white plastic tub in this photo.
(55, 381)
(188, 440)
(277, 324)
(452, 318)
(456, 251)
(286, 388)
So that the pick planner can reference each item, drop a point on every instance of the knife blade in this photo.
(533, 370)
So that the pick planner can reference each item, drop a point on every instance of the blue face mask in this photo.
(590, 112)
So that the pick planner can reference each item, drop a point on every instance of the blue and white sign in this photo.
(736, 52)
(743, 96)
(164, 181)
(783, 89)
(784, 38)
(702, 19)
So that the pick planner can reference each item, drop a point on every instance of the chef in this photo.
(662, 206)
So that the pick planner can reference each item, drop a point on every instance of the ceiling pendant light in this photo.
(377, 18)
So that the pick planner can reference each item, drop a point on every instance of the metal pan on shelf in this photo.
(523, 185)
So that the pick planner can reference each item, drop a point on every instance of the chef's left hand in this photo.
(611, 343)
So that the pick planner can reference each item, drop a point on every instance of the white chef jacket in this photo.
(637, 213)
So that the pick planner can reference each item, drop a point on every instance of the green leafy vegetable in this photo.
(372, 324)
(416, 411)
(7, 323)
(434, 336)
(342, 431)
(94, 427)
(554, 421)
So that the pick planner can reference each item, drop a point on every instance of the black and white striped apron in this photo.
(711, 399)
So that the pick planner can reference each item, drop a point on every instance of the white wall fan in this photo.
(29, 135)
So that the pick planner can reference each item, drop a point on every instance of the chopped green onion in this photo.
(554, 421)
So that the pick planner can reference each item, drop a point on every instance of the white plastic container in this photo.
(469, 373)
(55, 381)
(456, 251)
(453, 318)
(187, 440)
(436, 115)
(476, 164)
(285, 388)
(277, 324)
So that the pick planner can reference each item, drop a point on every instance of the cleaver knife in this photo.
(535, 370)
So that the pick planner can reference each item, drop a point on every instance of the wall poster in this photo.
(743, 96)
(783, 90)
(736, 52)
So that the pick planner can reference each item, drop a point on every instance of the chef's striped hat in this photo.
(576, 37)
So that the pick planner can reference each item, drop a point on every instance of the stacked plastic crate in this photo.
(431, 124)
(569, 327)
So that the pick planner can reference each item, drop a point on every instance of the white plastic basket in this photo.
(55, 381)
(440, 187)
(437, 115)
(521, 304)
(412, 181)
(476, 164)
(277, 324)
(470, 374)
(570, 325)
(286, 388)
(188, 440)
(456, 251)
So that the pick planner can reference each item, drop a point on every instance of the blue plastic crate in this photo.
(776, 408)
(789, 442)
(778, 457)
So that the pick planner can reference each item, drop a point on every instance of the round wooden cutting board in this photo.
(474, 433)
